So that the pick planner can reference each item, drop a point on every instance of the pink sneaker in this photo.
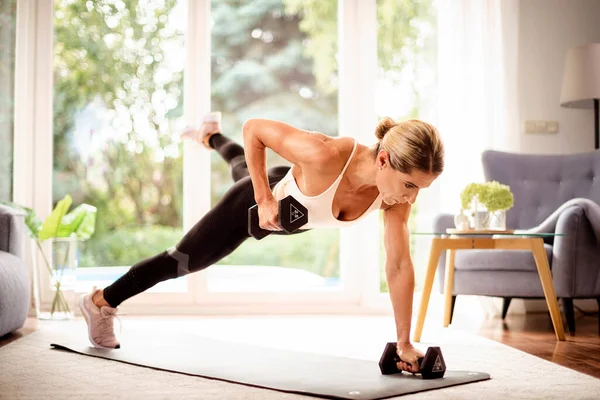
(100, 322)
(211, 124)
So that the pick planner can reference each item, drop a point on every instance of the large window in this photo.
(277, 60)
(118, 104)
(121, 70)
(8, 11)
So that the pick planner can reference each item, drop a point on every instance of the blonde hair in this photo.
(411, 144)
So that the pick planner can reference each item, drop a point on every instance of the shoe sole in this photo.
(87, 318)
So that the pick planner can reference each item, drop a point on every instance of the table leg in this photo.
(541, 261)
(434, 256)
(448, 285)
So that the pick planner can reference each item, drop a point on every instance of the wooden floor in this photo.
(532, 333)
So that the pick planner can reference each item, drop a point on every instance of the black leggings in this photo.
(216, 235)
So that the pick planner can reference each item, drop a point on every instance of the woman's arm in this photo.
(298, 146)
(401, 281)
(399, 268)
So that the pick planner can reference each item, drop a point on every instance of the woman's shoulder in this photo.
(340, 145)
(339, 149)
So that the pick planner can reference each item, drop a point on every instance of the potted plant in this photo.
(65, 230)
(487, 203)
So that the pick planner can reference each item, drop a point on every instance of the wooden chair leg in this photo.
(452, 307)
(434, 256)
(448, 286)
(505, 304)
(567, 305)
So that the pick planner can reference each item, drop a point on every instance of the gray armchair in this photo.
(552, 194)
(14, 275)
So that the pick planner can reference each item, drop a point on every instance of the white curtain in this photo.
(477, 98)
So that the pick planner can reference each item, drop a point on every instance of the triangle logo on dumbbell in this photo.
(295, 214)
(437, 365)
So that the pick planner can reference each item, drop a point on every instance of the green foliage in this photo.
(113, 55)
(494, 195)
(127, 246)
(259, 70)
(315, 251)
(402, 27)
(51, 224)
(80, 222)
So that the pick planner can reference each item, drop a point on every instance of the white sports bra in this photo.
(319, 207)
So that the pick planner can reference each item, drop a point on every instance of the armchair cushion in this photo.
(497, 260)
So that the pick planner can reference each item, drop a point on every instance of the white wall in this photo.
(547, 29)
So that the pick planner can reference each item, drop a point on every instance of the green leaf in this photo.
(81, 222)
(32, 222)
(51, 224)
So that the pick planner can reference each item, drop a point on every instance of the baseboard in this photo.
(539, 306)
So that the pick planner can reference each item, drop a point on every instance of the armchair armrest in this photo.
(12, 231)
(575, 255)
(590, 208)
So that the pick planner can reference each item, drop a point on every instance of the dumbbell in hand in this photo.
(292, 216)
(431, 366)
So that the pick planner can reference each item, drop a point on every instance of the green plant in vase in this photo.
(492, 195)
(78, 224)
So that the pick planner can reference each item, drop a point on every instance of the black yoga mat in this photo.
(282, 370)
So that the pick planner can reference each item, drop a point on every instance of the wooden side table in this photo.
(488, 240)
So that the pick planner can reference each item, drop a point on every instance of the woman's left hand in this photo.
(409, 358)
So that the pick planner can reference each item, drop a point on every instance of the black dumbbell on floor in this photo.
(431, 366)
(292, 216)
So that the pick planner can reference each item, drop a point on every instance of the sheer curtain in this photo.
(477, 98)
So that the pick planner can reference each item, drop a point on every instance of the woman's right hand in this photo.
(268, 215)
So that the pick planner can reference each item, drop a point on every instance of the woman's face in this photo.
(397, 187)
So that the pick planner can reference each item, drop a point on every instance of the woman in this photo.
(338, 180)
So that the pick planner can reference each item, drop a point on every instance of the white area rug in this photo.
(29, 369)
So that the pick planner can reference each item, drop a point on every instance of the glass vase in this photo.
(62, 266)
(480, 214)
(497, 220)
(461, 221)
(483, 219)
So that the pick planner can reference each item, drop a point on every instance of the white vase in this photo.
(461, 221)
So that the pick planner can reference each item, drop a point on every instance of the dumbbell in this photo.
(431, 366)
(292, 216)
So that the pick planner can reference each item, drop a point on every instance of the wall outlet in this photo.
(540, 126)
